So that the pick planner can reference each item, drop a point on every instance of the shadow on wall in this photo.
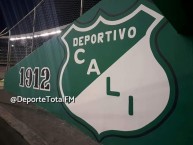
(2, 72)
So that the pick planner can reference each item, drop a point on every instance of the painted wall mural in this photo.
(127, 72)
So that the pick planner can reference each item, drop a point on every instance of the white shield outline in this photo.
(156, 15)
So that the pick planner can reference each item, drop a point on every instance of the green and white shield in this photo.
(119, 84)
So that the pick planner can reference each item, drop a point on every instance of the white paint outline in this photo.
(27, 79)
(22, 76)
(35, 78)
(149, 11)
(45, 81)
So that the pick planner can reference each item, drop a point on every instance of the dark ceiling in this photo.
(51, 13)
(59, 12)
(11, 11)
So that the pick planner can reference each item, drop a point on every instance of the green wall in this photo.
(166, 68)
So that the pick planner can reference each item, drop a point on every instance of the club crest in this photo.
(122, 87)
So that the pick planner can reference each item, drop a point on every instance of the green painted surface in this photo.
(173, 52)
